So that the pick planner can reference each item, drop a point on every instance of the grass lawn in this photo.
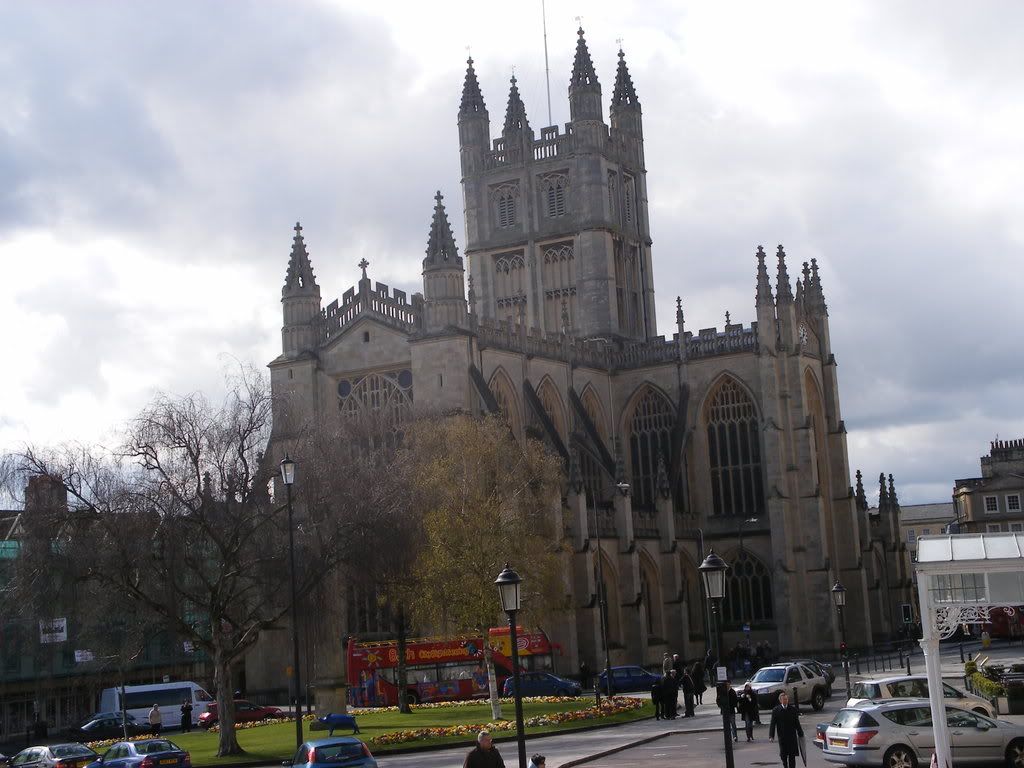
(272, 743)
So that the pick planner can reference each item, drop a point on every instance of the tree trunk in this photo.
(403, 668)
(492, 680)
(227, 741)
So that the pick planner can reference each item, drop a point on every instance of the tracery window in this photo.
(748, 592)
(650, 438)
(554, 188)
(367, 615)
(651, 598)
(552, 403)
(734, 453)
(384, 397)
(628, 287)
(505, 397)
(596, 480)
(559, 286)
(629, 189)
(613, 196)
(509, 284)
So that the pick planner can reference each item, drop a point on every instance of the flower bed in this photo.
(466, 703)
(609, 707)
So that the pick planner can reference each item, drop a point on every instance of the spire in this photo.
(679, 316)
(894, 502)
(515, 112)
(783, 291)
(441, 249)
(472, 98)
(764, 286)
(815, 295)
(583, 73)
(862, 499)
(300, 277)
(883, 496)
(624, 95)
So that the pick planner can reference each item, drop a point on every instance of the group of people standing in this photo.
(677, 676)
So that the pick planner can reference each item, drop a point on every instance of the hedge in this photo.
(986, 687)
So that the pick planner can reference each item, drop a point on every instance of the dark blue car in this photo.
(542, 684)
(332, 753)
(148, 753)
(629, 679)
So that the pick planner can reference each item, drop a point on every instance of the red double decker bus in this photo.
(439, 668)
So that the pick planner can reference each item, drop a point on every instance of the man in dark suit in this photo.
(786, 721)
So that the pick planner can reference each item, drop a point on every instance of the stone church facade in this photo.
(728, 438)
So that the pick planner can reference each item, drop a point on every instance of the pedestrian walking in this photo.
(156, 720)
(484, 754)
(537, 761)
(584, 675)
(747, 707)
(657, 698)
(670, 696)
(709, 666)
(786, 722)
(186, 716)
(687, 684)
(727, 702)
(699, 686)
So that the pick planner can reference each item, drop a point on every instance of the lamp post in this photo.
(712, 573)
(508, 582)
(288, 478)
(839, 598)
(602, 609)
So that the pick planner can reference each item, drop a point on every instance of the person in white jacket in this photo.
(537, 761)
(156, 720)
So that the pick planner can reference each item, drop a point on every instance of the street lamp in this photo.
(712, 572)
(288, 478)
(839, 598)
(508, 582)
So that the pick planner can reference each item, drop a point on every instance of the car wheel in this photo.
(1015, 754)
(818, 700)
(899, 756)
(412, 698)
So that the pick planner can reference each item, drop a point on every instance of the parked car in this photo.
(915, 687)
(542, 684)
(819, 734)
(821, 667)
(244, 713)
(898, 734)
(331, 752)
(106, 725)
(146, 753)
(53, 756)
(801, 683)
(628, 679)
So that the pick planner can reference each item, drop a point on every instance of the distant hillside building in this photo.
(728, 437)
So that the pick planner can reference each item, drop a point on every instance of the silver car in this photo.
(915, 687)
(898, 734)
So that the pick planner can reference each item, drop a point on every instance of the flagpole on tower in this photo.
(547, 69)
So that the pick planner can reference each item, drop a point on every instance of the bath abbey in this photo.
(673, 441)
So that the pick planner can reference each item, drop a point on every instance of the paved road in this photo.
(702, 750)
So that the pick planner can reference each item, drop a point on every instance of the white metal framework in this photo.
(961, 579)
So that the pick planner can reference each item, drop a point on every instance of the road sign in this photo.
(723, 675)
(53, 631)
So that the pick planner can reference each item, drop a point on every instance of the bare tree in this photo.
(181, 523)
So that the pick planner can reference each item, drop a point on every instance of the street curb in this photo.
(639, 742)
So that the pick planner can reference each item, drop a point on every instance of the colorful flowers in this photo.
(614, 706)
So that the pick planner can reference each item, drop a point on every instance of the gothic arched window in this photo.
(552, 402)
(734, 453)
(595, 412)
(505, 202)
(559, 286)
(650, 438)
(505, 396)
(555, 188)
(748, 592)
(509, 284)
(385, 397)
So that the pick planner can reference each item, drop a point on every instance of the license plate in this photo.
(839, 742)
(169, 761)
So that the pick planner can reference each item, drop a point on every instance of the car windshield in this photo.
(336, 753)
(769, 675)
(70, 750)
(865, 691)
(853, 718)
(152, 747)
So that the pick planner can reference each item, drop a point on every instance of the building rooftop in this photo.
(940, 511)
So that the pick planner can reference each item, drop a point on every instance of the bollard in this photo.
(856, 658)
(908, 664)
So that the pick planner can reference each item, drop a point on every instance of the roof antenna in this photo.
(547, 69)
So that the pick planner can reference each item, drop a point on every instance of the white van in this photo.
(139, 699)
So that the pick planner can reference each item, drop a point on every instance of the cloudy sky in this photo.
(154, 157)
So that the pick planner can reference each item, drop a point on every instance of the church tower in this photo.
(557, 226)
